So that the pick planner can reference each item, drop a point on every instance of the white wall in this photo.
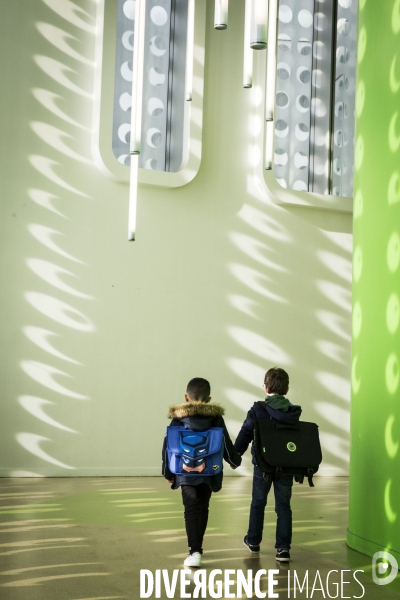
(221, 283)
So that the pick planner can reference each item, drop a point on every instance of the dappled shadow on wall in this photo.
(291, 301)
(59, 308)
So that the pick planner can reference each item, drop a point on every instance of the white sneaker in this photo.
(193, 560)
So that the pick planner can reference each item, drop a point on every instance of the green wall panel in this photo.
(375, 414)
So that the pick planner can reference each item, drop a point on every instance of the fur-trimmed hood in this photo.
(195, 409)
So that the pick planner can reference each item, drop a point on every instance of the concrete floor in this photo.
(88, 538)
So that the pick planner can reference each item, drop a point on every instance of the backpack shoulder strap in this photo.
(262, 403)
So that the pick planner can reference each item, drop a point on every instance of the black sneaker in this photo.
(254, 548)
(282, 555)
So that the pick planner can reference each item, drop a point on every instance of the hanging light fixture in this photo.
(137, 76)
(221, 14)
(270, 85)
(259, 24)
(133, 190)
(247, 52)
(189, 51)
(269, 145)
(136, 112)
(271, 62)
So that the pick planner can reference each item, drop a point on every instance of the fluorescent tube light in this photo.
(189, 51)
(271, 62)
(221, 14)
(133, 191)
(247, 52)
(259, 24)
(269, 145)
(137, 77)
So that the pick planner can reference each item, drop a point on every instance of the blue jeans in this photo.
(283, 493)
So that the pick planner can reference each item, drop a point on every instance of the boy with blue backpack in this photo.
(195, 444)
(277, 407)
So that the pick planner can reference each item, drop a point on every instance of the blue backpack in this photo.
(195, 453)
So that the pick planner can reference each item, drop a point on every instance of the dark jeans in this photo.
(196, 499)
(283, 493)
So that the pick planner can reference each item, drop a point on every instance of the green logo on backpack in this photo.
(291, 447)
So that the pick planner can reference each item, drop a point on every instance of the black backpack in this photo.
(282, 449)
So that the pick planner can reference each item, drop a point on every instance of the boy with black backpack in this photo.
(278, 407)
(195, 443)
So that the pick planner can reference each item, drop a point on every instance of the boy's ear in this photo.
(208, 400)
(187, 399)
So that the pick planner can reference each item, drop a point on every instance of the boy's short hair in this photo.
(198, 389)
(276, 381)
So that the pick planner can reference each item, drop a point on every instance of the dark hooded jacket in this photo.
(199, 416)
(274, 407)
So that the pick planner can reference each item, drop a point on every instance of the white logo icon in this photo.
(388, 560)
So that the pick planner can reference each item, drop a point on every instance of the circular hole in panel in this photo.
(283, 74)
(343, 55)
(302, 103)
(341, 110)
(280, 157)
(124, 133)
(343, 83)
(125, 101)
(302, 132)
(127, 40)
(129, 9)
(157, 46)
(158, 15)
(305, 18)
(153, 137)
(282, 100)
(337, 190)
(285, 13)
(340, 138)
(300, 160)
(155, 107)
(125, 159)
(343, 26)
(304, 47)
(303, 75)
(284, 42)
(126, 71)
(345, 3)
(281, 128)
(156, 77)
(283, 71)
(151, 164)
(339, 166)
(300, 186)
(284, 46)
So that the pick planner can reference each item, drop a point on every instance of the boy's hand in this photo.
(233, 467)
(170, 480)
